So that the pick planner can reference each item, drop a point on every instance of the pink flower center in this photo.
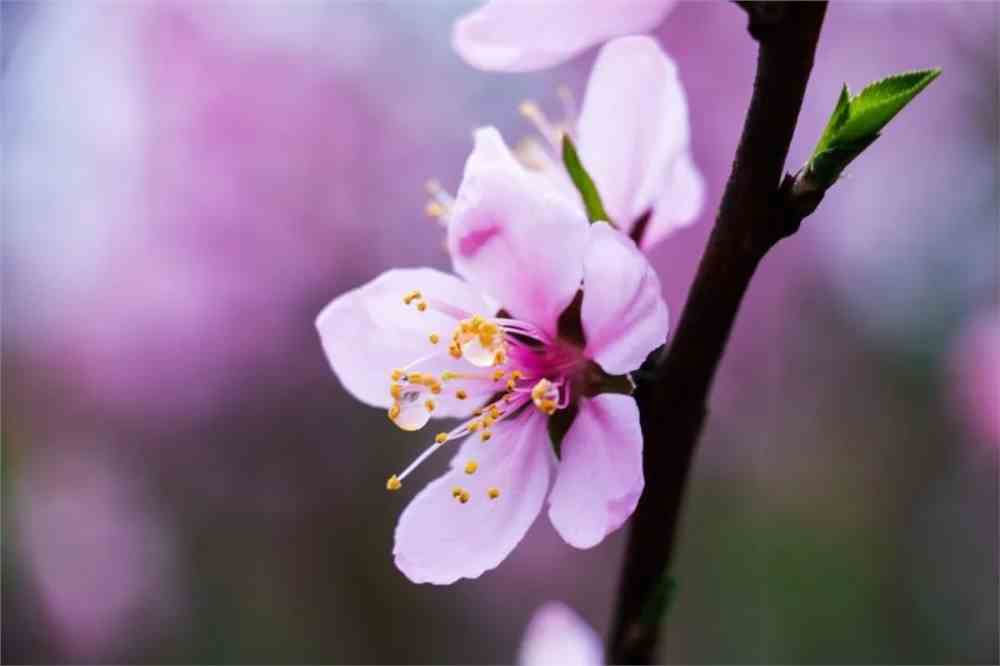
(509, 365)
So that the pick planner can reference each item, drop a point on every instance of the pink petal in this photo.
(633, 128)
(557, 636)
(519, 36)
(368, 332)
(600, 475)
(439, 540)
(624, 315)
(679, 204)
(517, 238)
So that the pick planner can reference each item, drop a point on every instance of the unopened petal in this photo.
(600, 477)
(633, 129)
(624, 315)
(557, 636)
(519, 36)
(443, 536)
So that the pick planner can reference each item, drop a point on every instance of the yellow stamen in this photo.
(411, 296)
(471, 467)
(456, 492)
(498, 375)
(435, 338)
(548, 406)
(435, 388)
(473, 426)
(441, 437)
(448, 375)
(397, 375)
(394, 411)
(421, 306)
(395, 390)
(511, 384)
(464, 497)
(415, 377)
(455, 351)
(461, 394)
(517, 374)
(429, 405)
(393, 483)
(493, 493)
(434, 209)
(485, 435)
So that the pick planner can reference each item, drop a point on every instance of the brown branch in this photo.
(758, 209)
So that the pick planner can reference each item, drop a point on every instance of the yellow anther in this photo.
(540, 389)
(435, 338)
(493, 493)
(461, 394)
(528, 109)
(429, 405)
(471, 467)
(473, 426)
(411, 296)
(435, 388)
(464, 497)
(548, 406)
(495, 412)
(393, 483)
(441, 437)
(394, 411)
(498, 375)
(422, 305)
(478, 412)
(511, 384)
(448, 375)
(434, 209)
(456, 492)
(414, 378)
(397, 375)
(517, 374)
(455, 351)
(499, 357)
(395, 390)
(488, 421)
(485, 435)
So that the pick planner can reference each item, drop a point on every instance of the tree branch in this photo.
(758, 209)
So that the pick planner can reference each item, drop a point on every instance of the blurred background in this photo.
(184, 479)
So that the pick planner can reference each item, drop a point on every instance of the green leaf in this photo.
(837, 119)
(879, 103)
(584, 183)
(857, 121)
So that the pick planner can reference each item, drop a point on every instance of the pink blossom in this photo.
(633, 137)
(489, 347)
(519, 36)
(557, 636)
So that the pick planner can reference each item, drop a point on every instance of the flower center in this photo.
(509, 365)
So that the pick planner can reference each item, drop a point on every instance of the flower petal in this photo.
(439, 539)
(623, 312)
(519, 36)
(557, 636)
(368, 331)
(679, 204)
(600, 475)
(633, 127)
(517, 238)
